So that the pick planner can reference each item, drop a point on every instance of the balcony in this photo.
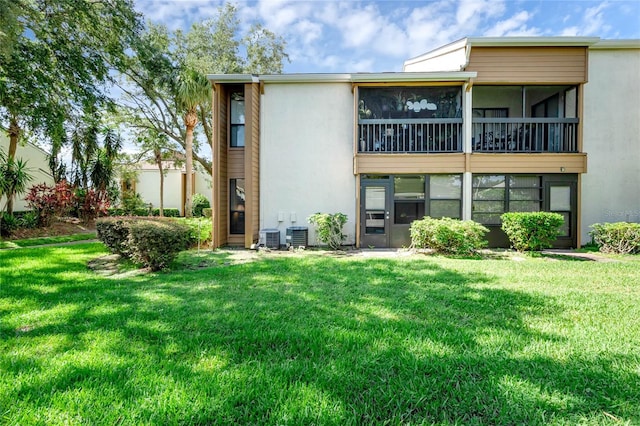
(525, 135)
(410, 135)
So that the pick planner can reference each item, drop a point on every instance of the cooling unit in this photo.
(269, 238)
(297, 236)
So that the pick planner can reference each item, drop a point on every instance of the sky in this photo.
(328, 36)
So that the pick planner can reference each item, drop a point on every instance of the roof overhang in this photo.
(233, 78)
(617, 44)
(531, 41)
(385, 77)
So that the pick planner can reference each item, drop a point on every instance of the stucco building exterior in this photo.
(470, 130)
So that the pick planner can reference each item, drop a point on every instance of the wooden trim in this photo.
(251, 166)
(579, 212)
(528, 163)
(410, 163)
(358, 211)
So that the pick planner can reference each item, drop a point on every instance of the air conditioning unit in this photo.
(297, 236)
(269, 238)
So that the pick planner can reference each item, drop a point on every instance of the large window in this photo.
(408, 198)
(445, 192)
(494, 195)
(409, 102)
(416, 196)
(236, 206)
(237, 119)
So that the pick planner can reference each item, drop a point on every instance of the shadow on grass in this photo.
(297, 340)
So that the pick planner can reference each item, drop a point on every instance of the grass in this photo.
(314, 339)
(30, 242)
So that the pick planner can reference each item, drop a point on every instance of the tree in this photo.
(58, 61)
(158, 146)
(162, 59)
(192, 89)
(14, 177)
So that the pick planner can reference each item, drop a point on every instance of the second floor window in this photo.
(237, 119)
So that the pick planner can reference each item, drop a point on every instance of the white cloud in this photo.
(516, 25)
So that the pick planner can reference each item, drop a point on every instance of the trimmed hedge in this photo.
(448, 235)
(156, 243)
(531, 231)
(618, 237)
(117, 211)
(113, 232)
(153, 242)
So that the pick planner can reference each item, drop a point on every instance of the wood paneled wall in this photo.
(529, 65)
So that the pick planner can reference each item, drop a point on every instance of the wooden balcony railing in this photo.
(513, 135)
(412, 135)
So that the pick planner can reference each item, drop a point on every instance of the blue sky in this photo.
(377, 36)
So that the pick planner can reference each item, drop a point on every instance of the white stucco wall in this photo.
(38, 167)
(306, 155)
(148, 186)
(611, 186)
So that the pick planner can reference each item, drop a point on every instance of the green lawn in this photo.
(316, 339)
(30, 242)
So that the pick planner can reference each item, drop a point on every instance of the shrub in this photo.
(28, 220)
(448, 235)
(208, 212)
(132, 202)
(531, 230)
(118, 211)
(113, 232)
(199, 202)
(8, 224)
(49, 201)
(90, 203)
(152, 242)
(199, 229)
(156, 243)
(618, 237)
(329, 228)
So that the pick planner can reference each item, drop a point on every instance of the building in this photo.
(146, 181)
(470, 130)
(38, 165)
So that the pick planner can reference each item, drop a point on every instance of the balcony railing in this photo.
(515, 135)
(411, 135)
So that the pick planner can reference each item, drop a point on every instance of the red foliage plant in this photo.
(49, 201)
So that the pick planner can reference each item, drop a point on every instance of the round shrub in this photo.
(618, 237)
(448, 235)
(531, 231)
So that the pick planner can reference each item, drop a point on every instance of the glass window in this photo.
(236, 206)
(445, 186)
(407, 212)
(560, 198)
(237, 119)
(445, 208)
(445, 193)
(409, 102)
(409, 187)
(488, 198)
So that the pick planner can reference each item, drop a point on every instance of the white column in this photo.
(467, 115)
(467, 195)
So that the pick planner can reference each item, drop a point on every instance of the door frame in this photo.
(376, 240)
(569, 241)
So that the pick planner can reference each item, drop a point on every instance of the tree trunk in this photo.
(14, 135)
(190, 120)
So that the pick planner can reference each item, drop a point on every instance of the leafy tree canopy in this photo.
(56, 59)
(165, 77)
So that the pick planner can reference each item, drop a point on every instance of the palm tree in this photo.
(14, 177)
(192, 89)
